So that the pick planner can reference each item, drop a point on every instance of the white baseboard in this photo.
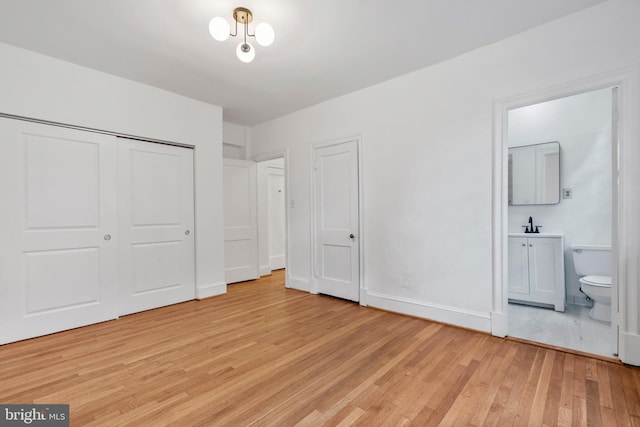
(630, 349)
(499, 324)
(298, 283)
(211, 290)
(264, 270)
(440, 313)
(364, 300)
(276, 262)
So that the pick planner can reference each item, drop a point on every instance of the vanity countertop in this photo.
(535, 235)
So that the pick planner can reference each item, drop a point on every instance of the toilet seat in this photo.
(600, 281)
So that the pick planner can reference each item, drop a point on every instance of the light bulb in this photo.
(264, 34)
(219, 29)
(245, 52)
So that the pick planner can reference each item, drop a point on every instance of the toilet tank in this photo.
(592, 260)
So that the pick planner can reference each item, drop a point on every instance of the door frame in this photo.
(313, 217)
(284, 154)
(625, 204)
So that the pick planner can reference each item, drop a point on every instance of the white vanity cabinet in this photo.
(536, 269)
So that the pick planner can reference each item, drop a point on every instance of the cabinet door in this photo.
(518, 267)
(544, 255)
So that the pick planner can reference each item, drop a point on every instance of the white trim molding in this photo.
(211, 290)
(499, 324)
(364, 297)
(440, 313)
(264, 270)
(298, 283)
(630, 348)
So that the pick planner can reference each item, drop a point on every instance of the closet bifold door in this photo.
(156, 218)
(58, 230)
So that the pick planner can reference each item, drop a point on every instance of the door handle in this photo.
(351, 236)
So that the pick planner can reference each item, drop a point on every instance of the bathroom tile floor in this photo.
(573, 329)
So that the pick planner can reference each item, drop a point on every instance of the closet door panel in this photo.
(59, 258)
(156, 213)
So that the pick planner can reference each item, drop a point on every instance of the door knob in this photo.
(351, 236)
(186, 233)
(107, 237)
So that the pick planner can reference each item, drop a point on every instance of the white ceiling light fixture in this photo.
(263, 33)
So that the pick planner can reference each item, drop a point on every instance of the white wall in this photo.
(427, 160)
(234, 141)
(41, 87)
(582, 125)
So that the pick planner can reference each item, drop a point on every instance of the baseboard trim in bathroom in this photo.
(566, 350)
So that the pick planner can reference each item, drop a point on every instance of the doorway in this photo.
(570, 202)
(272, 215)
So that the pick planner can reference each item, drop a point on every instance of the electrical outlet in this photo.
(567, 193)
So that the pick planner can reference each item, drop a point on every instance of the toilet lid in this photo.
(597, 280)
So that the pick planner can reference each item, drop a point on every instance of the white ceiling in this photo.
(323, 48)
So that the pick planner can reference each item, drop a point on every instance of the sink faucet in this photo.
(529, 228)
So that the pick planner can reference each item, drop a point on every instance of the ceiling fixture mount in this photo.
(263, 33)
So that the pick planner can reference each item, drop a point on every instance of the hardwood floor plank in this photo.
(566, 391)
(579, 415)
(552, 401)
(619, 402)
(594, 415)
(490, 384)
(520, 388)
(263, 355)
(542, 381)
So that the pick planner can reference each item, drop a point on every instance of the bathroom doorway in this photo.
(561, 158)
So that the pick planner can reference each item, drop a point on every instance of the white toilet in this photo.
(593, 265)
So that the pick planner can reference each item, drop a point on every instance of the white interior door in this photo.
(277, 221)
(58, 225)
(156, 217)
(240, 221)
(337, 250)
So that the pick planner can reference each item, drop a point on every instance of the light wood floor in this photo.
(266, 355)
